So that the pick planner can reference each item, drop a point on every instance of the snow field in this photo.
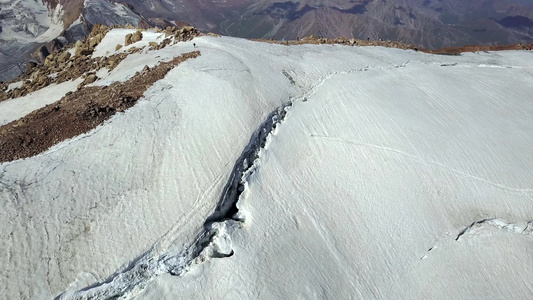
(366, 186)
(391, 154)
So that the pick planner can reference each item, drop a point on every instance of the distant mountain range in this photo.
(27, 26)
(427, 23)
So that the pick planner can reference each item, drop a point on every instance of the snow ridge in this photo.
(212, 242)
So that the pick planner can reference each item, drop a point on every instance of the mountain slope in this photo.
(367, 171)
(33, 29)
(426, 23)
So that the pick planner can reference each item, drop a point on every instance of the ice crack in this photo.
(525, 228)
(245, 166)
(213, 241)
(484, 225)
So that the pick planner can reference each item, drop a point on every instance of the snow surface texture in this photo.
(394, 174)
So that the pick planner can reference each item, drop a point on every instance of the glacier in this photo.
(376, 173)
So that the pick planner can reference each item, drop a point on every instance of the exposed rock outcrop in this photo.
(42, 52)
(341, 41)
(137, 36)
(63, 57)
(133, 38)
(86, 46)
(90, 78)
(393, 44)
(185, 33)
(127, 39)
(60, 65)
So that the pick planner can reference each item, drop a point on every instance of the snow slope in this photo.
(393, 174)
(365, 190)
(14, 109)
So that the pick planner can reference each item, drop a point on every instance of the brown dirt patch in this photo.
(76, 113)
(399, 45)
(339, 41)
(477, 48)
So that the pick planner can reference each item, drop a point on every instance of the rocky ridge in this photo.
(62, 65)
(399, 45)
(341, 41)
(77, 112)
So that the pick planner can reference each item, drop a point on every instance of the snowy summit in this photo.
(223, 168)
